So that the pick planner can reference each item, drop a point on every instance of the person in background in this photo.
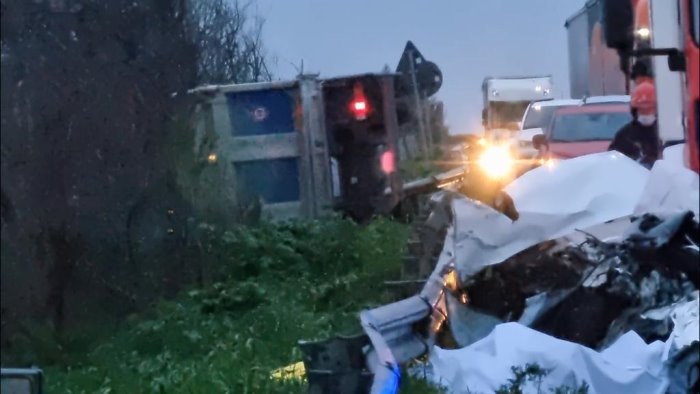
(639, 139)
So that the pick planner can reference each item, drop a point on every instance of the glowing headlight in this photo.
(550, 163)
(496, 161)
(643, 33)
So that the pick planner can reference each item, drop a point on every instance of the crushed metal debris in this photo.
(623, 293)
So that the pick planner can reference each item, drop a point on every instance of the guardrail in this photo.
(431, 183)
(21, 381)
(393, 334)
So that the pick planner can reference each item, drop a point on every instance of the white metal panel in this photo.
(262, 147)
(320, 188)
(665, 31)
(629, 365)
(615, 98)
(237, 152)
(335, 177)
(552, 202)
(242, 87)
(524, 89)
(558, 102)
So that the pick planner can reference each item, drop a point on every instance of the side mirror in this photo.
(520, 125)
(483, 117)
(676, 61)
(618, 24)
(539, 141)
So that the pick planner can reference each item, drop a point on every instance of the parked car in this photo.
(537, 116)
(581, 130)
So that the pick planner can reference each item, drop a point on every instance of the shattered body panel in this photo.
(580, 266)
(575, 194)
(484, 366)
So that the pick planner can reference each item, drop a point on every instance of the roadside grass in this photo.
(417, 168)
(278, 284)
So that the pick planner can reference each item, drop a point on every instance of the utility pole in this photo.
(419, 108)
(428, 124)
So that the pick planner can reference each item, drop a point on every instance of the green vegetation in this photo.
(276, 284)
(417, 168)
(534, 374)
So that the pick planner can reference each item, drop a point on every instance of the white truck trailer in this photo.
(506, 98)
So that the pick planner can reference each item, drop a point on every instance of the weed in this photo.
(534, 374)
(275, 284)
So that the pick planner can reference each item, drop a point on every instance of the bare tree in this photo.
(229, 41)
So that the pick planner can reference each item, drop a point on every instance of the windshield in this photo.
(506, 114)
(539, 116)
(588, 127)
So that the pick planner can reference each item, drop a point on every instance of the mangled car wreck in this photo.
(596, 281)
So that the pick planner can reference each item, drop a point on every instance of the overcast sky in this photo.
(468, 39)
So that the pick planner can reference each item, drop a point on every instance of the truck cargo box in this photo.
(594, 69)
(268, 141)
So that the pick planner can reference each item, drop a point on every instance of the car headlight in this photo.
(548, 162)
(496, 161)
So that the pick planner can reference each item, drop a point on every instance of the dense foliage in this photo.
(93, 218)
(276, 284)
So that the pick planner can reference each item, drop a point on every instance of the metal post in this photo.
(428, 129)
(419, 108)
(624, 65)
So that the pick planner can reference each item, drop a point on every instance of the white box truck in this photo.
(506, 98)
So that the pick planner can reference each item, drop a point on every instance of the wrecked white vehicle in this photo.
(592, 282)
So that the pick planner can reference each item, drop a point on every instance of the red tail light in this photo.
(359, 106)
(388, 162)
